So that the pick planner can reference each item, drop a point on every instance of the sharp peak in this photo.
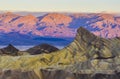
(84, 34)
(9, 45)
(82, 29)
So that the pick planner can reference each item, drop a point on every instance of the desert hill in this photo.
(87, 57)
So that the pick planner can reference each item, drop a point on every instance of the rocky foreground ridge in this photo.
(87, 57)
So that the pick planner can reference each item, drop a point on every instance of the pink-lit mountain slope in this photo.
(60, 25)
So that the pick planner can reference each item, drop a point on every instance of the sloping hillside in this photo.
(88, 55)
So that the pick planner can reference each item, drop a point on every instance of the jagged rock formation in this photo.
(9, 50)
(93, 46)
(87, 57)
(94, 52)
(42, 48)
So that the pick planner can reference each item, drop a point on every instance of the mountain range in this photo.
(54, 27)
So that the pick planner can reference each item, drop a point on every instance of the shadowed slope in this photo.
(9, 50)
(43, 48)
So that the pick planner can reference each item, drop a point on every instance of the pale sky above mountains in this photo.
(61, 5)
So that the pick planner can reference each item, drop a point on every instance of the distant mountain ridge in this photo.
(58, 25)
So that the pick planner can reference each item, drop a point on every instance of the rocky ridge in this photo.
(87, 57)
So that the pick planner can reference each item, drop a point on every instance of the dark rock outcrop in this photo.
(9, 50)
(42, 48)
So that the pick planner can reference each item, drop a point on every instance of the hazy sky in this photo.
(61, 5)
